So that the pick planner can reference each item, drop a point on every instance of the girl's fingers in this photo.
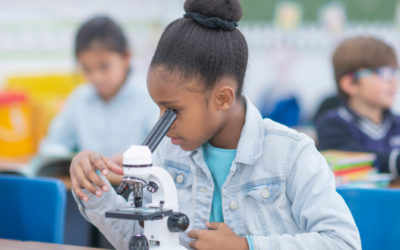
(84, 182)
(117, 159)
(97, 162)
(94, 177)
(113, 167)
(77, 189)
(212, 225)
(83, 173)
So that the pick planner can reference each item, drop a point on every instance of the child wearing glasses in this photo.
(366, 72)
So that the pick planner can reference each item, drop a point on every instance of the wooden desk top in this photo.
(6, 244)
(395, 183)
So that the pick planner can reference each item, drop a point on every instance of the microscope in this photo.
(161, 219)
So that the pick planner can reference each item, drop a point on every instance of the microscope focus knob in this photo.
(178, 222)
(122, 188)
(138, 242)
(152, 187)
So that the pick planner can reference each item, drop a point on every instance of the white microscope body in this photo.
(162, 223)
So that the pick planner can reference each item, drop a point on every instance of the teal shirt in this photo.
(219, 162)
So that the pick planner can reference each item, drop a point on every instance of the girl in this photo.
(111, 106)
(255, 183)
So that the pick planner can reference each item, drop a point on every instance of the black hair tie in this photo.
(211, 22)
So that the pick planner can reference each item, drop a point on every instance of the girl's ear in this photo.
(225, 96)
(348, 85)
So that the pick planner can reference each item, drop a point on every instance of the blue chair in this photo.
(285, 111)
(32, 209)
(377, 215)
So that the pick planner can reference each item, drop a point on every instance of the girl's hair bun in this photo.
(229, 10)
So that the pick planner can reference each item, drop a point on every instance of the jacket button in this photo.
(265, 193)
(179, 178)
(233, 205)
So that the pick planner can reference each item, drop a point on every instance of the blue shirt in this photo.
(279, 190)
(87, 122)
(344, 129)
(219, 162)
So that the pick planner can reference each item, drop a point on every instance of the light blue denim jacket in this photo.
(280, 190)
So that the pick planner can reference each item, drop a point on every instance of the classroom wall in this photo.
(37, 36)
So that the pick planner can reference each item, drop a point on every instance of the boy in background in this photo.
(366, 72)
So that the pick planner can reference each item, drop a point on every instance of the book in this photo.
(344, 160)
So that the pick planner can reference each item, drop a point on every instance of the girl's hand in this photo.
(117, 158)
(83, 173)
(218, 237)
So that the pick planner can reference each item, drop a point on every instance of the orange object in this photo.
(16, 138)
(47, 93)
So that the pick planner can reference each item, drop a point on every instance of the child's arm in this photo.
(332, 134)
(95, 196)
(316, 206)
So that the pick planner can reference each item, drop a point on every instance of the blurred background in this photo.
(289, 71)
(290, 45)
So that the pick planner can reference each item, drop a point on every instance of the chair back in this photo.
(32, 209)
(377, 215)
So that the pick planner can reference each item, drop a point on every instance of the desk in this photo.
(395, 183)
(34, 245)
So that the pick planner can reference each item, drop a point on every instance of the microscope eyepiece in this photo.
(160, 129)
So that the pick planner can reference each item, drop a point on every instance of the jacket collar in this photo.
(252, 136)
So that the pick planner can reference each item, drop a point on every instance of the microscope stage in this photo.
(140, 214)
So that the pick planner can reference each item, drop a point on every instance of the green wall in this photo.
(357, 10)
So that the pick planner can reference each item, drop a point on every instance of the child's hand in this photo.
(117, 158)
(220, 237)
(83, 173)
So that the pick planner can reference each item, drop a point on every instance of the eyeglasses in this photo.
(386, 73)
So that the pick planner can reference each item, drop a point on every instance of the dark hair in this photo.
(361, 52)
(192, 50)
(102, 30)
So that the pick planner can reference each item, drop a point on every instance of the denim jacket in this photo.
(280, 191)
